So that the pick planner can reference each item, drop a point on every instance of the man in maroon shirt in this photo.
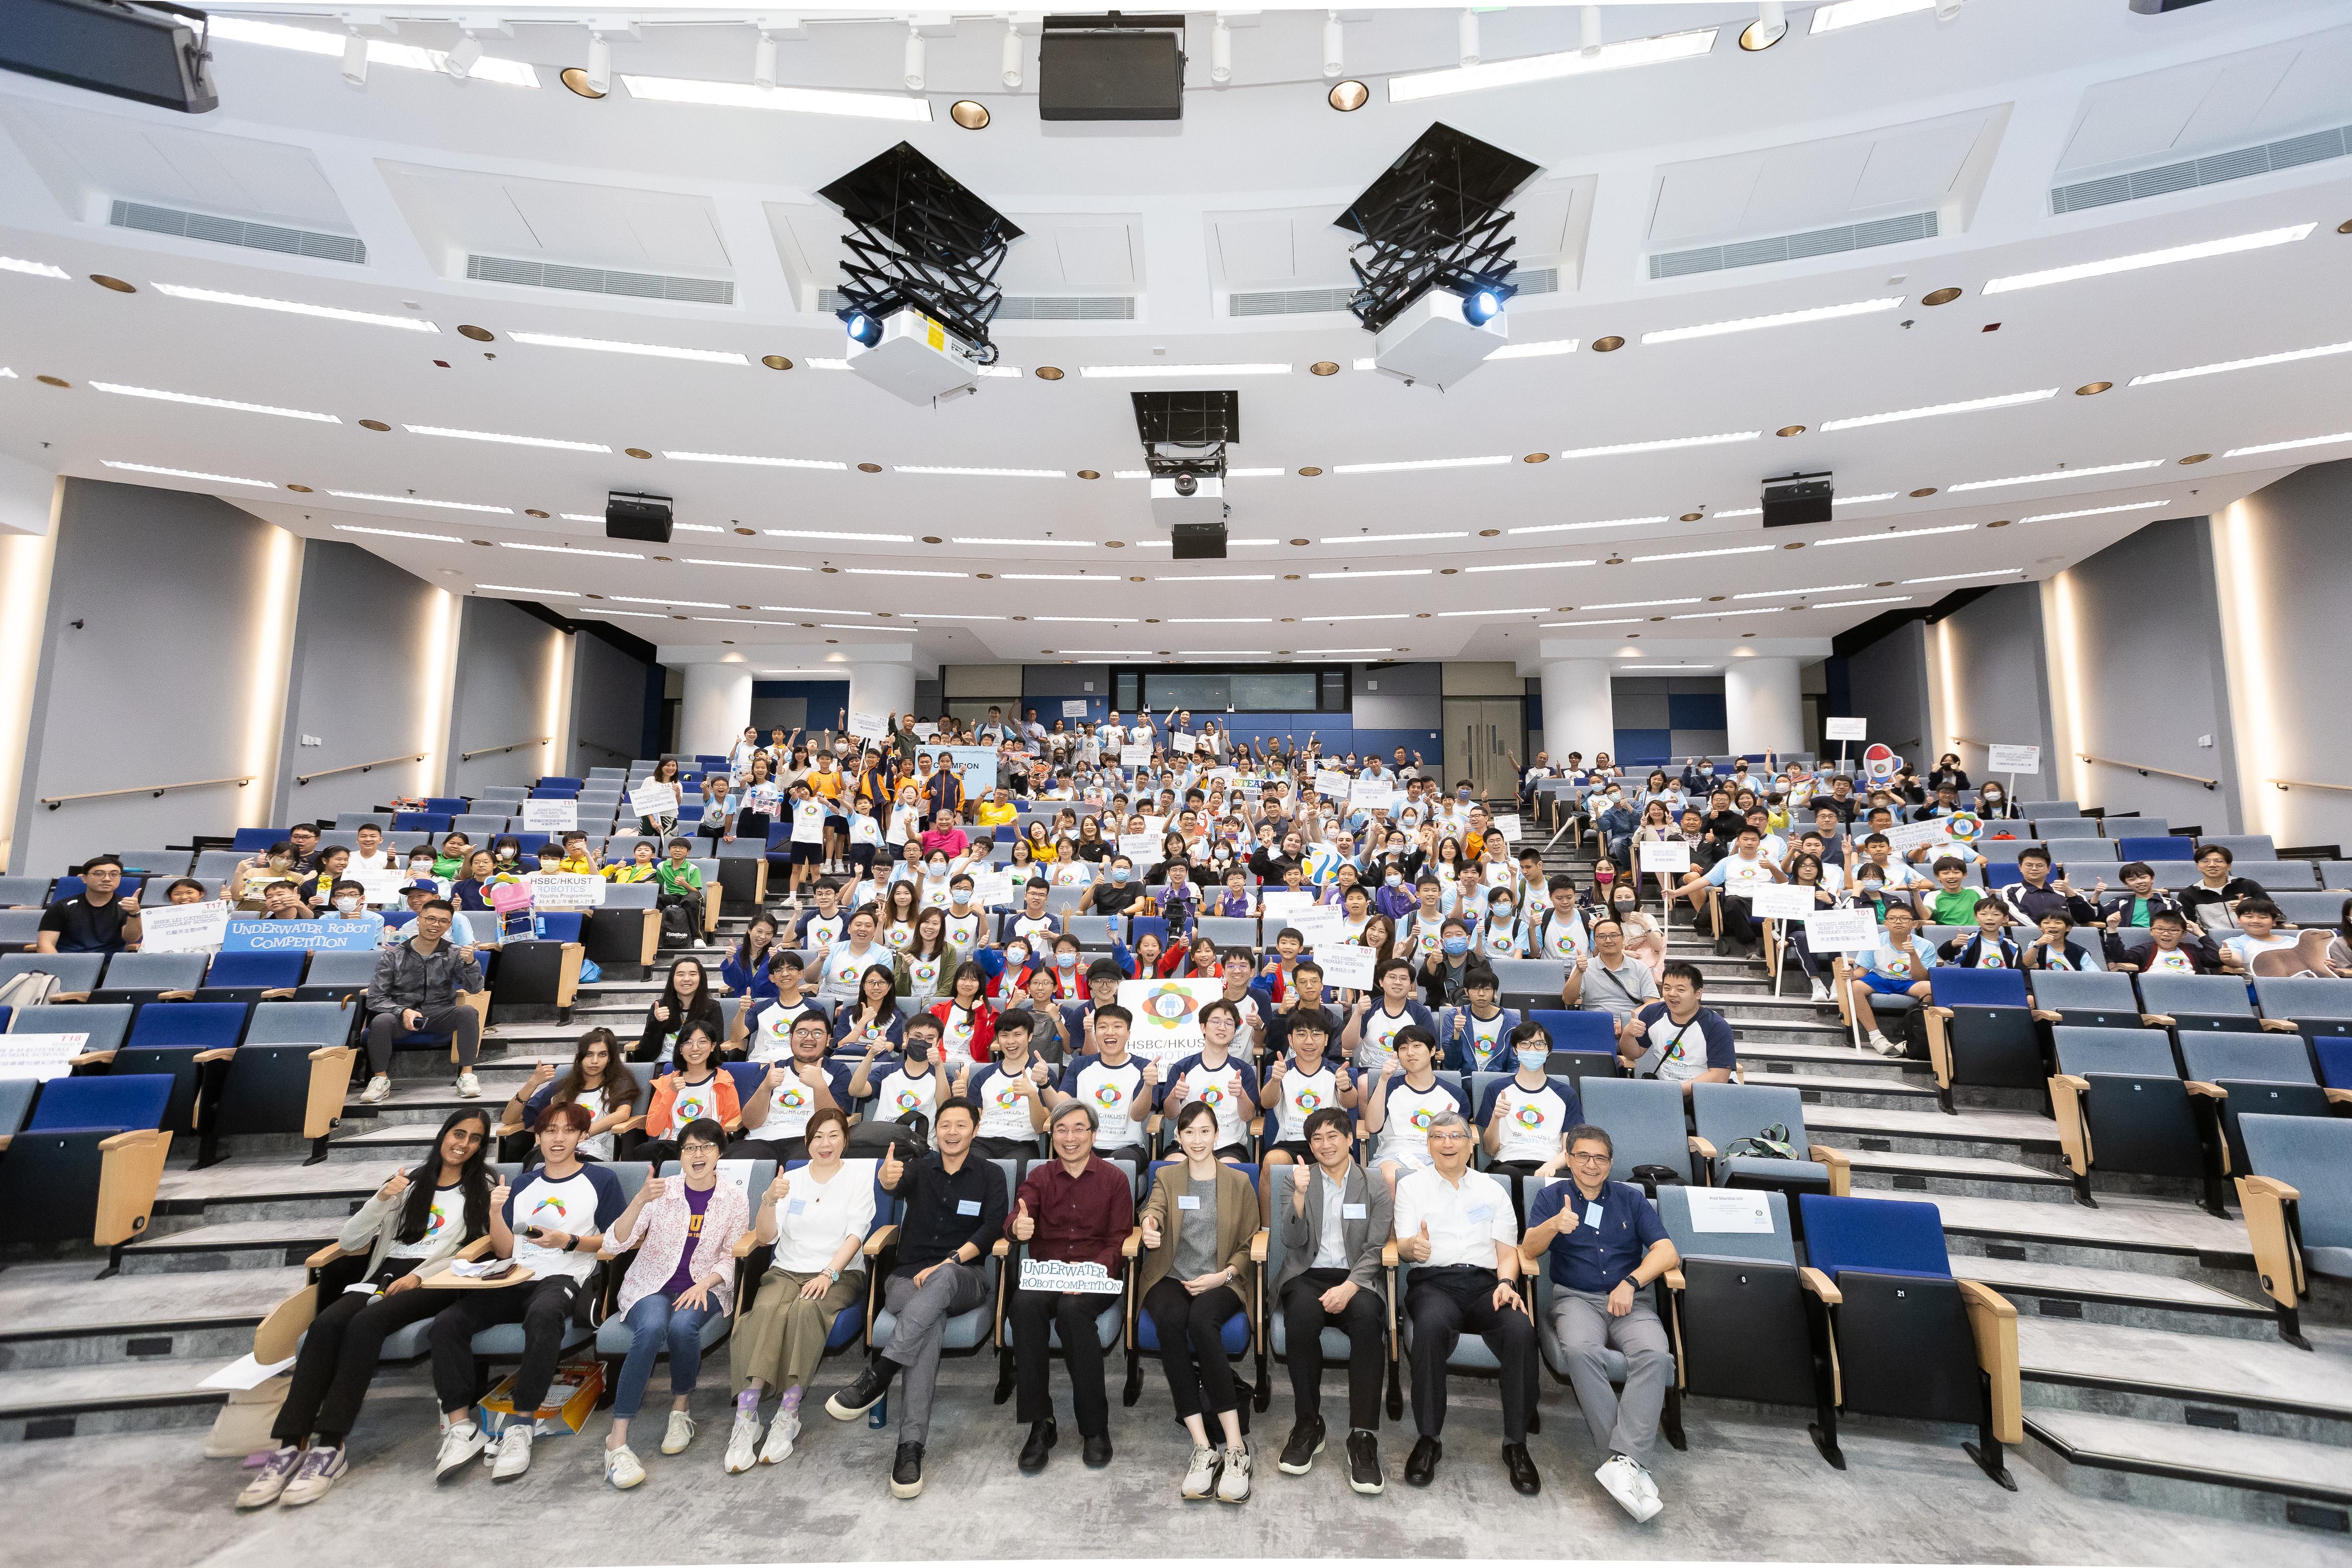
(1073, 1209)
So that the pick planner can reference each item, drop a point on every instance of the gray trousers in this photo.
(921, 1319)
(1581, 1324)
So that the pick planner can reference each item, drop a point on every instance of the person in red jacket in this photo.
(967, 1023)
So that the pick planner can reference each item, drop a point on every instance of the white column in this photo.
(884, 689)
(1578, 714)
(1764, 706)
(717, 705)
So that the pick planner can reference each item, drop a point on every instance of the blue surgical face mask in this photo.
(1462, 795)
(1499, 911)
(1532, 1055)
(1066, 960)
(1395, 878)
(1119, 873)
(1456, 946)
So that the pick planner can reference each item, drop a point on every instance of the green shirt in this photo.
(1958, 907)
(679, 877)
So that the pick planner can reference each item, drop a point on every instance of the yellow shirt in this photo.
(629, 871)
(992, 814)
(577, 864)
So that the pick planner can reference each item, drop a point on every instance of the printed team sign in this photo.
(2014, 760)
(568, 891)
(1347, 965)
(300, 936)
(1781, 901)
(1135, 756)
(1659, 854)
(654, 800)
(1845, 728)
(1167, 1016)
(39, 1055)
(550, 815)
(1074, 707)
(1085, 1278)
(870, 726)
(183, 928)
(1181, 743)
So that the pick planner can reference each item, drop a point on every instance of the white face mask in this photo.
(348, 905)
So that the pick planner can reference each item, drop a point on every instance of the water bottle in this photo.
(880, 1417)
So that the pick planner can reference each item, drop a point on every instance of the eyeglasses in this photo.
(1590, 1158)
(1447, 1137)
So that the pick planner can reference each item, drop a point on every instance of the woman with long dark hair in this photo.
(597, 1080)
(415, 1222)
(686, 999)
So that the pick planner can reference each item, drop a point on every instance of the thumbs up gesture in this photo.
(1280, 1068)
(1023, 1227)
(1416, 1245)
(1299, 1182)
(1152, 1075)
(808, 1073)
(892, 1168)
(964, 1082)
(394, 1187)
(1181, 1087)
(778, 1188)
(1152, 1231)
(657, 1188)
(500, 1196)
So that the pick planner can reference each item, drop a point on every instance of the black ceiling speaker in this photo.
(143, 52)
(1198, 540)
(1111, 68)
(1795, 498)
(638, 517)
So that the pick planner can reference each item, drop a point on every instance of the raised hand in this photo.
(1152, 1231)
(655, 1189)
(501, 1194)
(1180, 1089)
(394, 1187)
(1024, 1225)
(540, 1076)
(1416, 1246)
(777, 1189)
(1151, 1074)
(893, 1168)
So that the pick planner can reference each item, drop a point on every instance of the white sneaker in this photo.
(378, 1090)
(458, 1443)
(1617, 1478)
(1200, 1476)
(322, 1468)
(1821, 992)
(469, 1087)
(276, 1471)
(743, 1442)
(621, 1468)
(681, 1431)
(783, 1432)
(1234, 1485)
(514, 1452)
(1643, 1479)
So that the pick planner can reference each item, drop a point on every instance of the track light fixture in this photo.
(600, 65)
(1011, 65)
(462, 55)
(1335, 50)
(763, 62)
(1465, 30)
(913, 58)
(1221, 53)
(355, 61)
(1590, 28)
(1772, 24)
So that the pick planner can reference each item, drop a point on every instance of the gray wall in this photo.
(158, 684)
(1886, 684)
(369, 641)
(2148, 636)
(1398, 697)
(503, 667)
(1999, 688)
(608, 705)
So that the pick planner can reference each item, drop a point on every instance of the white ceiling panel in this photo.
(1095, 256)
(85, 155)
(2208, 105)
(1257, 250)
(556, 220)
(1914, 169)
(1813, 184)
(1702, 199)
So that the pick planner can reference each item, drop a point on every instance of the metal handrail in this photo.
(608, 751)
(362, 767)
(2144, 769)
(54, 801)
(517, 745)
(2308, 783)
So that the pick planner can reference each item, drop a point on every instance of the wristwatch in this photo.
(833, 1274)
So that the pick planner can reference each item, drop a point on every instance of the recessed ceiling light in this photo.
(398, 533)
(637, 452)
(1961, 576)
(535, 592)
(1939, 297)
(1310, 473)
(757, 567)
(985, 473)
(1534, 350)
(1049, 372)
(1624, 448)
(2286, 446)
(611, 346)
(1456, 615)
(1335, 620)
(776, 361)
(1855, 603)
(293, 307)
(2197, 252)
(1223, 577)
(895, 572)
(1349, 96)
(1336, 652)
(1090, 473)
(1792, 593)
(2093, 388)
(1608, 345)
(673, 604)
(1853, 13)
(1530, 566)
(1968, 405)
(1030, 543)
(1331, 367)
(1620, 55)
(506, 440)
(1693, 516)
(789, 99)
(2095, 511)
(1718, 615)
(31, 268)
(1694, 554)
(2058, 474)
(380, 52)
(970, 113)
(1894, 533)
(1852, 501)
(1781, 319)
(1174, 372)
(1219, 620)
(1416, 464)
(1745, 511)
(1572, 527)
(828, 533)
(1641, 604)
(211, 402)
(377, 426)
(577, 78)
(1619, 621)
(1393, 538)
(1790, 430)
(571, 550)
(2257, 363)
(419, 500)
(189, 474)
(1386, 571)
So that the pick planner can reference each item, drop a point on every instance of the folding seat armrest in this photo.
(1993, 1320)
(2282, 1026)
(1132, 1247)
(2159, 1020)
(1258, 1244)
(221, 1054)
(2269, 1187)
(2339, 1096)
(745, 1244)
(2048, 1015)
(278, 993)
(2210, 1090)
(2066, 1092)
(2270, 1227)
(330, 1077)
(476, 1250)
(567, 978)
(1939, 1044)
(69, 996)
(323, 1257)
(1943, 1015)
(1814, 1280)
(131, 1167)
(508, 1129)
(1673, 1279)
(175, 995)
(91, 1058)
(634, 1125)
(878, 1238)
(1388, 1255)
(1699, 1145)
(1841, 1168)
(279, 1333)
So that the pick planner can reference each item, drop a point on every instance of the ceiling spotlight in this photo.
(1349, 96)
(600, 65)
(1939, 297)
(1334, 45)
(1465, 30)
(1010, 66)
(1590, 31)
(576, 78)
(763, 61)
(461, 57)
(1772, 24)
(355, 58)
(1324, 367)
(1482, 307)
(970, 114)
(2093, 389)
(1946, 10)
(1608, 345)
(1221, 53)
(913, 58)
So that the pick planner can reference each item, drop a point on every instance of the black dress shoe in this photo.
(1421, 1465)
(1524, 1479)
(1042, 1438)
(1306, 1442)
(1098, 1452)
(907, 1472)
(860, 1396)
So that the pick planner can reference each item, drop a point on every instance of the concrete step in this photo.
(2266, 1387)
(1952, 1175)
(57, 1315)
(2119, 1297)
(2110, 1235)
(1998, 1134)
(230, 1244)
(130, 1396)
(2198, 1470)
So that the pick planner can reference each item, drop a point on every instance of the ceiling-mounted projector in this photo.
(1437, 341)
(909, 354)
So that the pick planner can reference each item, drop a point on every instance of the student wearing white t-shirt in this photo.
(1402, 1105)
(1526, 1115)
(1728, 884)
(816, 1218)
(1299, 1082)
(2258, 923)
(1370, 1038)
(1118, 1086)
(1214, 1077)
(839, 964)
(596, 1080)
(911, 1084)
(1010, 1093)
(777, 1114)
(552, 1223)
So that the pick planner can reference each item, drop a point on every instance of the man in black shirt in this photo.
(305, 840)
(955, 1208)
(95, 920)
(1115, 894)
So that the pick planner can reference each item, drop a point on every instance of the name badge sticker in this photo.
(1188, 1201)
(1351, 1211)
(1482, 1213)
(968, 1207)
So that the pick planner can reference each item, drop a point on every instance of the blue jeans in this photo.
(651, 1322)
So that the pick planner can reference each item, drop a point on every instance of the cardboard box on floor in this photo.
(578, 1386)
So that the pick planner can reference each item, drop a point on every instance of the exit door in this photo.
(1482, 735)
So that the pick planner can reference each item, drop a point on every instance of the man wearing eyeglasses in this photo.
(415, 992)
(1455, 1226)
(1606, 1245)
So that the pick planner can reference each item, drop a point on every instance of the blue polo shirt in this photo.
(1589, 1258)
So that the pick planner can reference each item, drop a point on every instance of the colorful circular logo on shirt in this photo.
(1109, 1095)
(909, 1101)
(545, 1204)
(1007, 1100)
(1530, 1116)
(1422, 1119)
(1964, 825)
(925, 971)
(1307, 1099)
(1212, 1096)
(792, 1096)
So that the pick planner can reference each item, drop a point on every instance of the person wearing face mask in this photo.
(1993, 803)
(912, 1085)
(349, 906)
(1444, 974)
(1504, 933)
(1116, 893)
(1397, 896)
(1526, 1116)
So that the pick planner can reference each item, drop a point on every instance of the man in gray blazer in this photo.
(1335, 1224)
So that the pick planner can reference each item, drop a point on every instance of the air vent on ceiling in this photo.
(1032, 306)
(598, 280)
(1317, 302)
(237, 231)
(2190, 174)
(1794, 247)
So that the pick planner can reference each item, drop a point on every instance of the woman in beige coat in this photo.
(1195, 1275)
